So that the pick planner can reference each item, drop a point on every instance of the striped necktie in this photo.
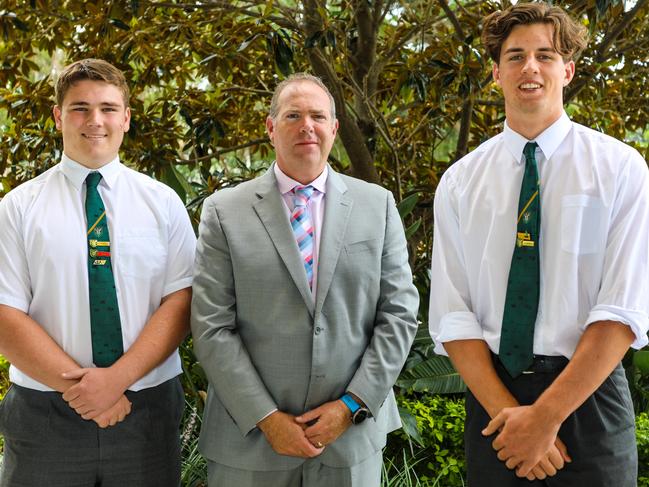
(105, 325)
(522, 299)
(302, 225)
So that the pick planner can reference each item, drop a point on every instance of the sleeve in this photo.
(450, 311)
(181, 248)
(15, 282)
(217, 342)
(395, 322)
(624, 291)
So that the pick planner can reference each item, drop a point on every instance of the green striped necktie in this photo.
(105, 326)
(522, 300)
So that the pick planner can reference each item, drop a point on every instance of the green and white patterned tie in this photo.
(105, 325)
(522, 300)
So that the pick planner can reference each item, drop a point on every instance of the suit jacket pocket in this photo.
(362, 246)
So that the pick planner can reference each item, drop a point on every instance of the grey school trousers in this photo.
(48, 444)
(599, 435)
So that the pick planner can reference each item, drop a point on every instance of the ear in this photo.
(569, 72)
(127, 119)
(336, 125)
(496, 73)
(56, 111)
(270, 129)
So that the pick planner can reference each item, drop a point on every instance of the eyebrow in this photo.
(520, 49)
(86, 104)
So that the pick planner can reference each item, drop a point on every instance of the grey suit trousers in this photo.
(312, 473)
(48, 444)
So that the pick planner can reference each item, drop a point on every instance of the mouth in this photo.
(94, 136)
(530, 86)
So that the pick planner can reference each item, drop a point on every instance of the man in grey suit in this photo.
(301, 342)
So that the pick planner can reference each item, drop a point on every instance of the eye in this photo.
(319, 116)
(79, 109)
(109, 109)
(292, 116)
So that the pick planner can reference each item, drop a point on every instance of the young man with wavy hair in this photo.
(540, 273)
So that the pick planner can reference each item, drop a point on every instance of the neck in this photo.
(532, 126)
(304, 175)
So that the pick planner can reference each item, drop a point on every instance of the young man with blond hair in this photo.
(95, 274)
(540, 273)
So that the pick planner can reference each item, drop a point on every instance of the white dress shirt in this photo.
(316, 205)
(44, 256)
(594, 243)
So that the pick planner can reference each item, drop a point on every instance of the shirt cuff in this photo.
(458, 325)
(177, 286)
(634, 319)
(19, 304)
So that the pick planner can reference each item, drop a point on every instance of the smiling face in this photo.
(532, 76)
(303, 131)
(93, 120)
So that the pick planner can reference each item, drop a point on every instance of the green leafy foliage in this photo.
(435, 375)
(642, 435)
(439, 457)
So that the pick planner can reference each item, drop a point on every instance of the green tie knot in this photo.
(92, 180)
(529, 151)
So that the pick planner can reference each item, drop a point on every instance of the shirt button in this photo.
(318, 330)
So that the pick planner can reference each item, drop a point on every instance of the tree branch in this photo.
(225, 150)
(603, 49)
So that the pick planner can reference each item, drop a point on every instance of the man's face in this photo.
(93, 120)
(303, 131)
(532, 75)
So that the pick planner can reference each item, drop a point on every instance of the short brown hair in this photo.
(569, 39)
(295, 78)
(90, 69)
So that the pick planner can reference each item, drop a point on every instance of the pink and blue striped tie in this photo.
(302, 225)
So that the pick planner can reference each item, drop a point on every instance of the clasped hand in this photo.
(306, 436)
(97, 396)
(526, 443)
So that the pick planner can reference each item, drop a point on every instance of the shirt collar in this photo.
(77, 173)
(548, 140)
(286, 184)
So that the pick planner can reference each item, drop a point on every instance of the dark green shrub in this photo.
(642, 434)
(440, 422)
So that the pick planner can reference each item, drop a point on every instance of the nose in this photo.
(531, 64)
(94, 118)
(307, 125)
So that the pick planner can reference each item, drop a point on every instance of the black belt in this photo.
(541, 364)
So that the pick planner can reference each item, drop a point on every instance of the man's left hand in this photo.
(524, 437)
(331, 420)
(97, 390)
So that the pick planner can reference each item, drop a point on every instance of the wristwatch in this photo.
(359, 412)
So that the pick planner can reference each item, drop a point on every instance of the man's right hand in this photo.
(553, 461)
(114, 414)
(286, 436)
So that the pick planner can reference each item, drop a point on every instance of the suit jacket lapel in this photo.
(272, 212)
(338, 207)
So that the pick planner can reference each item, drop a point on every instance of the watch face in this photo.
(360, 416)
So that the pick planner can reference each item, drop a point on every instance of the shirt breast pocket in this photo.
(141, 254)
(582, 224)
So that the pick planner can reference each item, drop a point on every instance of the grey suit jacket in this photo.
(265, 343)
